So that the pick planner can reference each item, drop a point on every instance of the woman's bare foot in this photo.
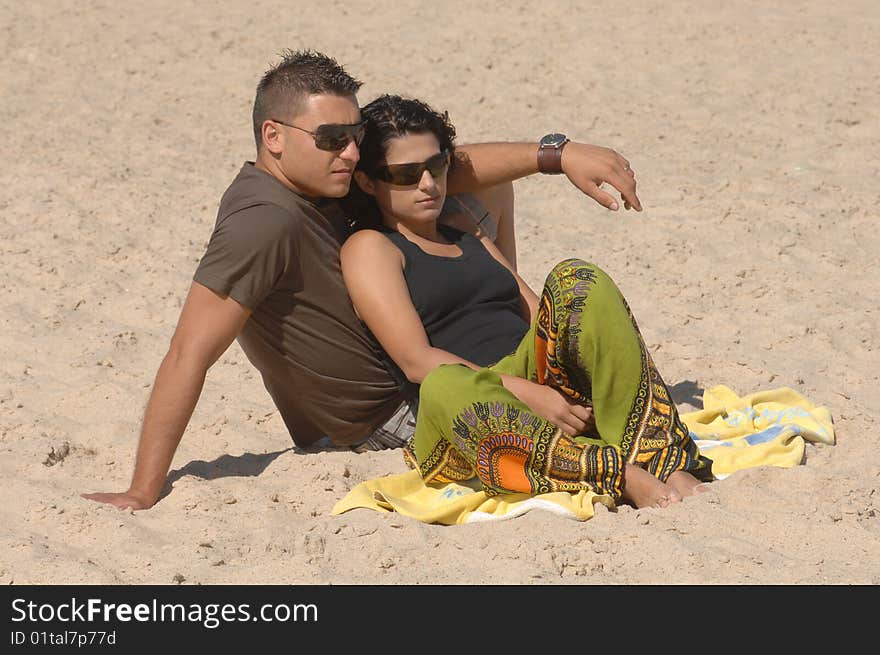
(685, 484)
(644, 490)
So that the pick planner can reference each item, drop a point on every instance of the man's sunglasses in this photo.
(332, 137)
(408, 174)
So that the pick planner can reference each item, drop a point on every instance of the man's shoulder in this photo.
(256, 192)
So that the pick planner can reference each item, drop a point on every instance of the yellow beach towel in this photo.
(767, 428)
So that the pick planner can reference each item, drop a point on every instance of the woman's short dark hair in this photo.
(389, 117)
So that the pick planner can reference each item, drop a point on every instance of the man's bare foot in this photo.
(644, 490)
(686, 484)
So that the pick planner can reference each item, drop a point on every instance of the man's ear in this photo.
(365, 183)
(273, 139)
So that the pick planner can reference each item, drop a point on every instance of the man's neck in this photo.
(270, 166)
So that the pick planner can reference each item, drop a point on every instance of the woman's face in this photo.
(419, 201)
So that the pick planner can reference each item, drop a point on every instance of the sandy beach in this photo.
(753, 131)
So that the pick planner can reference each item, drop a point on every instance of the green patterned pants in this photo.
(585, 343)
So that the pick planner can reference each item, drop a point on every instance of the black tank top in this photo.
(469, 305)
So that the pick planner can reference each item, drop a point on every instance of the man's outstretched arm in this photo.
(481, 165)
(208, 324)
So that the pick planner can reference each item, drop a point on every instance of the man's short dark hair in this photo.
(284, 88)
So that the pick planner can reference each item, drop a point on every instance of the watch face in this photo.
(553, 140)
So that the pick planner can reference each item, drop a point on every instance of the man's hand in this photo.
(120, 501)
(588, 167)
(551, 404)
(482, 165)
(208, 324)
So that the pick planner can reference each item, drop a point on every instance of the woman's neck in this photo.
(425, 230)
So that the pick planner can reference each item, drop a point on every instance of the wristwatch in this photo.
(550, 153)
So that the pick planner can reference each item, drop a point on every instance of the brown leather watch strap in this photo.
(550, 160)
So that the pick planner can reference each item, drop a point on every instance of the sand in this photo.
(753, 132)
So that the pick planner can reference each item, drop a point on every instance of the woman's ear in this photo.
(365, 183)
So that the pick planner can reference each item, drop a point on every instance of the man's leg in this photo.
(394, 433)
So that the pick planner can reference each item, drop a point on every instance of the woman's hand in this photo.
(551, 404)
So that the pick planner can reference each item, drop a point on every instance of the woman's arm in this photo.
(372, 267)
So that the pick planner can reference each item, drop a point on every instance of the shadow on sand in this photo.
(687, 392)
(247, 465)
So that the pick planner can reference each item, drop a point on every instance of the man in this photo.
(270, 276)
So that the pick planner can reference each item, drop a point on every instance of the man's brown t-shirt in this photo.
(276, 253)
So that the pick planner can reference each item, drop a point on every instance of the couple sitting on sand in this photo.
(527, 394)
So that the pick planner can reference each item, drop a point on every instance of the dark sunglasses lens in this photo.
(359, 132)
(336, 137)
(437, 164)
(407, 174)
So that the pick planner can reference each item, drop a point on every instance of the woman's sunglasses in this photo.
(332, 137)
(408, 174)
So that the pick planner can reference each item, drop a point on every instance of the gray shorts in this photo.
(395, 432)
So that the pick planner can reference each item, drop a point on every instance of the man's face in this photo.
(304, 167)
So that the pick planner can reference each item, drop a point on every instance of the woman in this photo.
(527, 394)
